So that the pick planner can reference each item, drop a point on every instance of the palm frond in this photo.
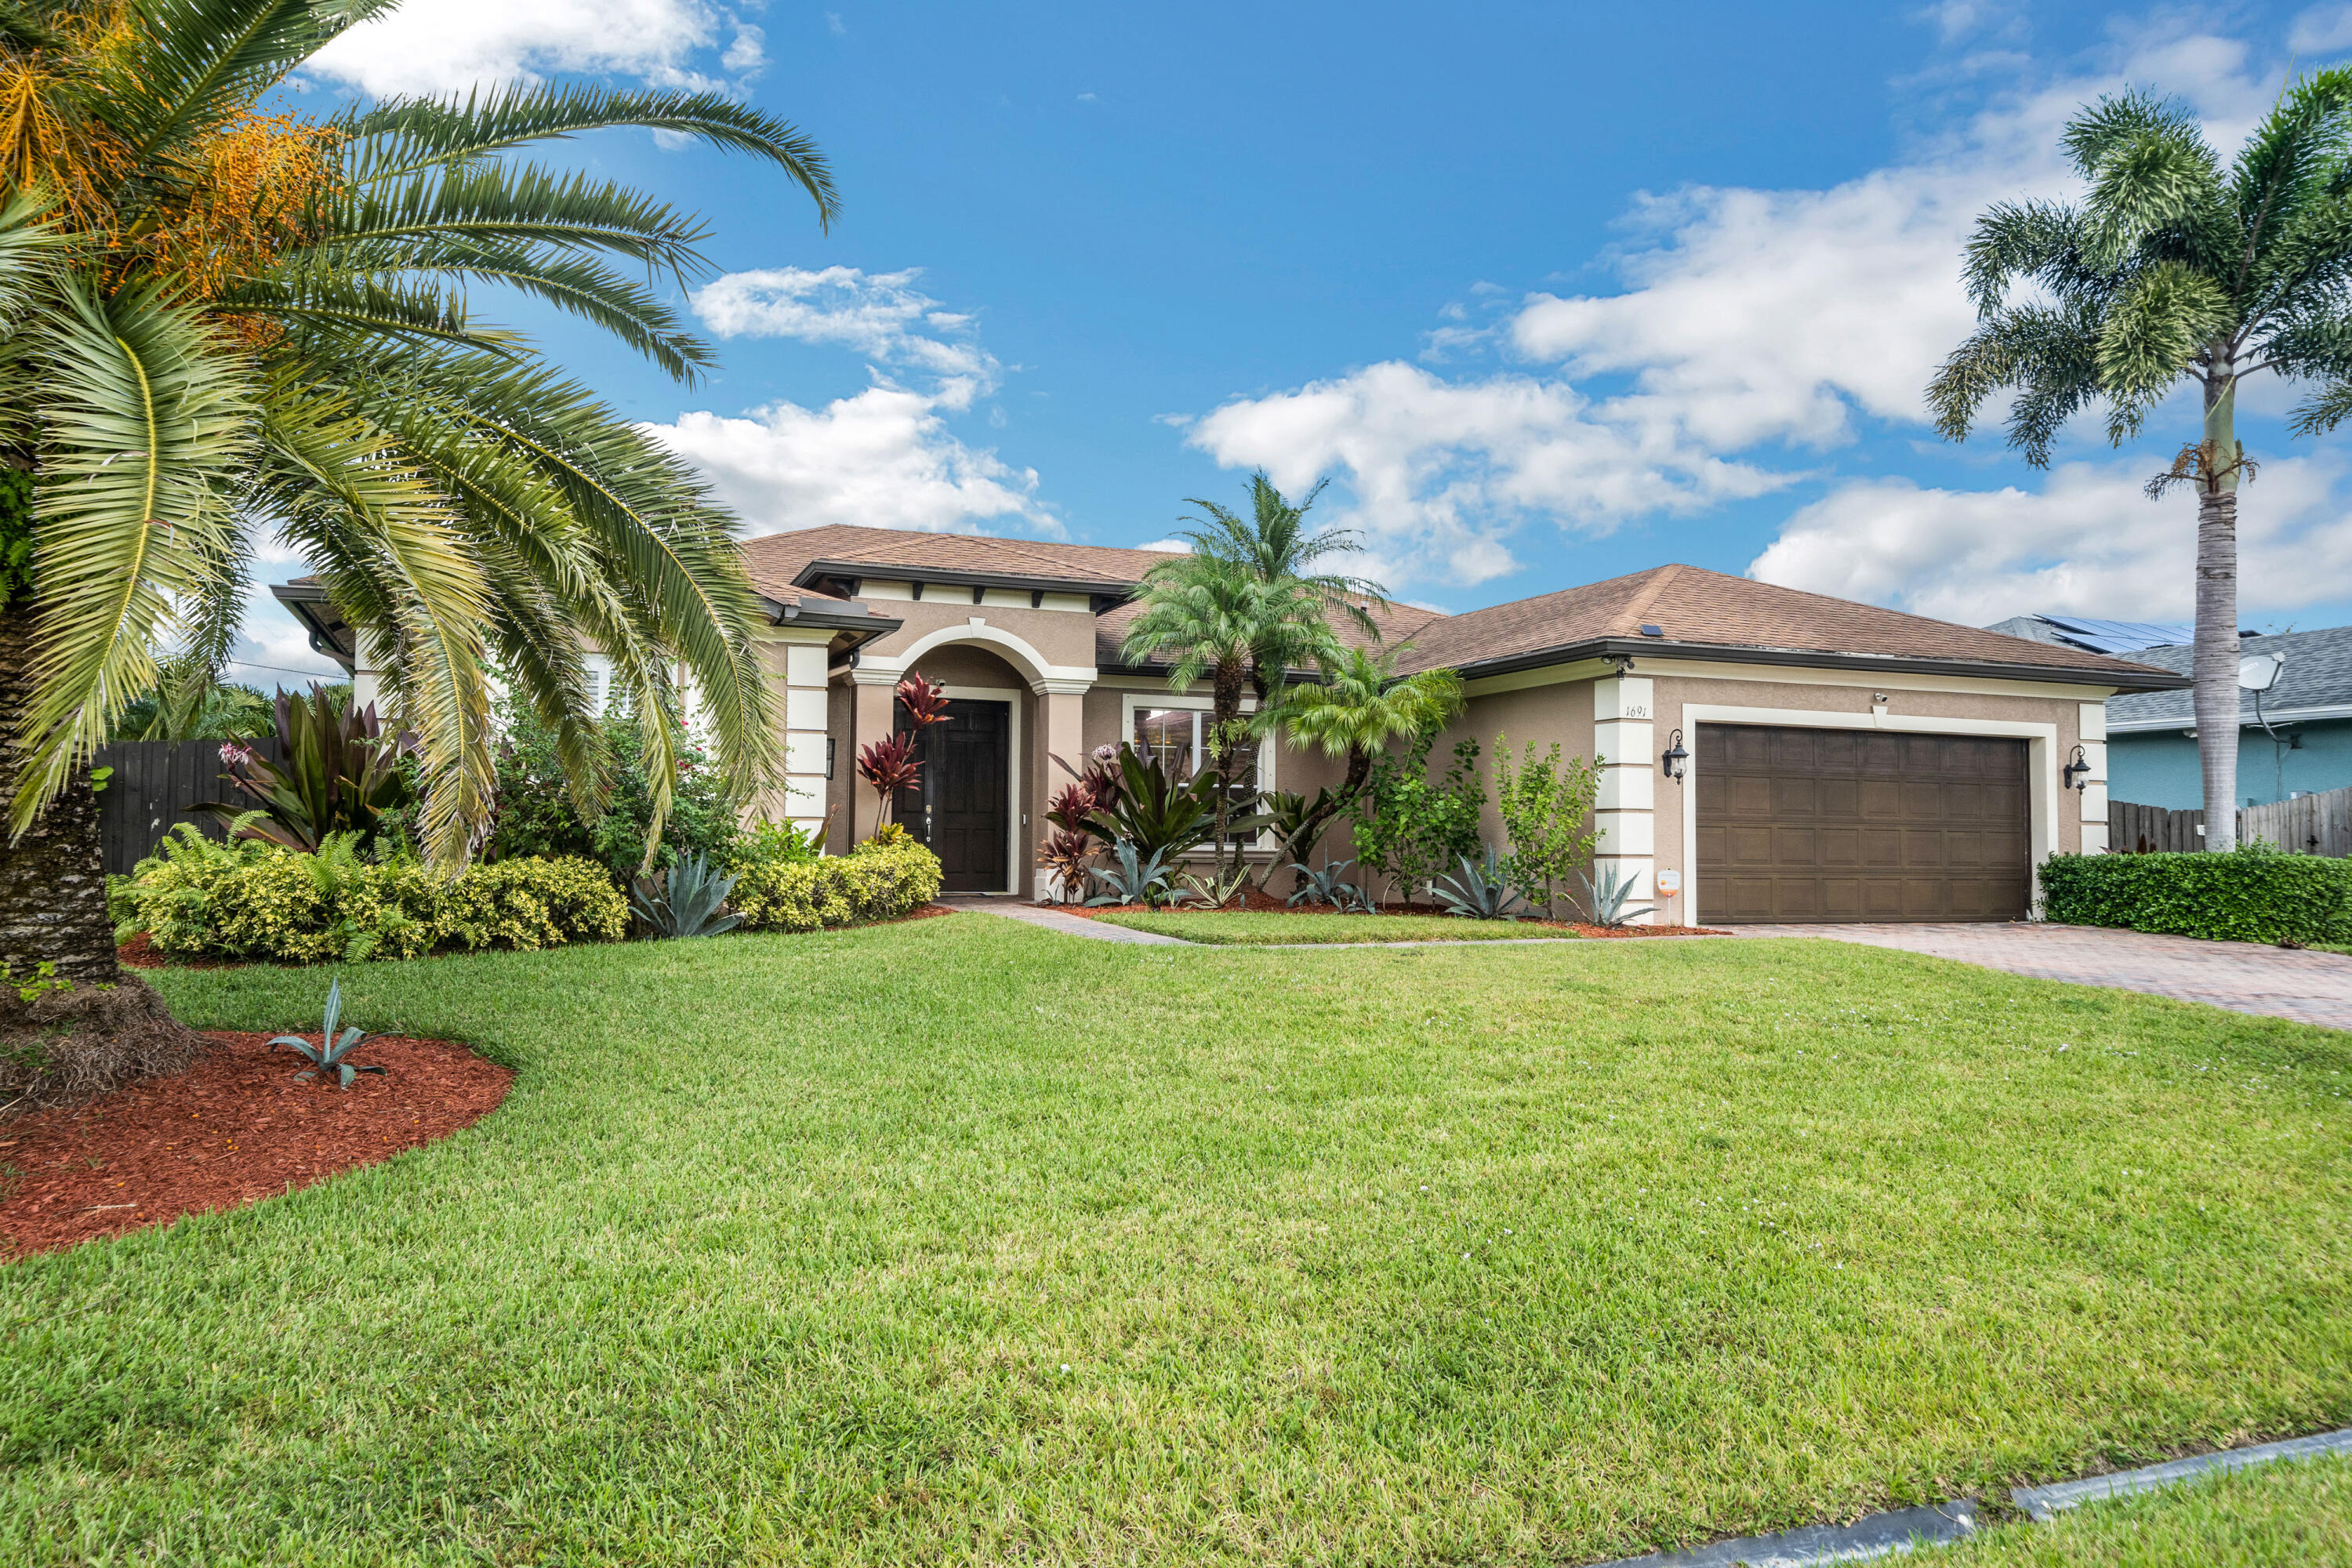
(512, 204)
(401, 136)
(144, 419)
(2040, 241)
(199, 62)
(2152, 335)
(335, 301)
(2325, 409)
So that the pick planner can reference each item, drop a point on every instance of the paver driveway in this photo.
(2309, 987)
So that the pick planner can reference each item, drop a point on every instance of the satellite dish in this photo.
(2260, 671)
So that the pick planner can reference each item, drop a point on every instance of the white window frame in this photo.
(1130, 701)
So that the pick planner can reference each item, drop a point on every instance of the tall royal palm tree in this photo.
(220, 321)
(2173, 271)
(1246, 606)
(1360, 707)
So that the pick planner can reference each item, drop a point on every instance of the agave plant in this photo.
(1133, 880)
(1327, 886)
(1479, 891)
(331, 1054)
(1216, 889)
(685, 900)
(1608, 898)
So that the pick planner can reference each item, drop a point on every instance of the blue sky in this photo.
(1548, 293)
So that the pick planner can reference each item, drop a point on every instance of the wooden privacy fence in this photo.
(2311, 824)
(154, 784)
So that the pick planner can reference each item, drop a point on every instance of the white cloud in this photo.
(449, 45)
(1775, 315)
(878, 314)
(2089, 542)
(883, 459)
(1440, 472)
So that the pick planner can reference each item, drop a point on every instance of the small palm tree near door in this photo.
(2170, 271)
(1252, 600)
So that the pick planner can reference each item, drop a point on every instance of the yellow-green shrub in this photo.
(872, 882)
(203, 898)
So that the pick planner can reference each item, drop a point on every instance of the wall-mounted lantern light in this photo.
(2077, 771)
(1676, 760)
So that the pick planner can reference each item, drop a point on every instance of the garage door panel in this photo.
(1802, 825)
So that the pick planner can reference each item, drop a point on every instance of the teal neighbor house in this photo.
(2294, 739)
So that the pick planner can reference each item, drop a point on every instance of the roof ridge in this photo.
(1660, 577)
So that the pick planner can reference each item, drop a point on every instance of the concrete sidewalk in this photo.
(1055, 919)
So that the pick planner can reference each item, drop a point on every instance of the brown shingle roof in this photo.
(776, 559)
(1691, 605)
(1397, 624)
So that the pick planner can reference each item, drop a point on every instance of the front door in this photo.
(958, 808)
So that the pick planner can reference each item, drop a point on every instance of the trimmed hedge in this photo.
(200, 897)
(2254, 893)
(872, 882)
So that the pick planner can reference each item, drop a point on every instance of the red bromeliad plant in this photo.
(891, 766)
(1075, 839)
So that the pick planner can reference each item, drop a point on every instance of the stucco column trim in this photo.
(1623, 811)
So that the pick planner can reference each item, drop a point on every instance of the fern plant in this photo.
(687, 900)
(1608, 898)
(332, 1053)
(1479, 891)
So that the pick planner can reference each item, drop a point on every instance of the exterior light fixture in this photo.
(1676, 761)
(2077, 771)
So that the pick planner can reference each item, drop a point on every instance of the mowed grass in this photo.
(962, 1241)
(2295, 1514)
(1257, 928)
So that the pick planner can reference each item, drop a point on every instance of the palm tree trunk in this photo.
(52, 880)
(2214, 661)
(1227, 709)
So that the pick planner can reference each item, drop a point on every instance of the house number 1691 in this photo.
(1636, 710)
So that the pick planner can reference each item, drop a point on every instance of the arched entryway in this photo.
(967, 807)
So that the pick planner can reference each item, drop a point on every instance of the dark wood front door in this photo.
(1831, 825)
(959, 810)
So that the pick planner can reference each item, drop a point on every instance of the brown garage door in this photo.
(1859, 825)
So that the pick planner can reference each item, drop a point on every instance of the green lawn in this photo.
(1233, 927)
(962, 1241)
(2287, 1515)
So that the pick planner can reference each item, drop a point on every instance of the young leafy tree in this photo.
(1358, 708)
(2173, 271)
(222, 322)
(1245, 607)
(1408, 828)
(1544, 803)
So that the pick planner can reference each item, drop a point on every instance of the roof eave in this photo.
(304, 601)
(2133, 679)
(890, 571)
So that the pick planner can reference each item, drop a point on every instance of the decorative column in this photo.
(1625, 811)
(874, 690)
(2094, 729)
(805, 728)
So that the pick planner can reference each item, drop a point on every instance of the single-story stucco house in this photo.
(1845, 761)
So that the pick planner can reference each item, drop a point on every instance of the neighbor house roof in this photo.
(2315, 682)
(1689, 611)
(2100, 636)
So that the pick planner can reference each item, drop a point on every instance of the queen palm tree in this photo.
(220, 321)
(1246, 606)
(1360, 707)
(2172, 270)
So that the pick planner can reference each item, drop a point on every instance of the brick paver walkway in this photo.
(2309, 987)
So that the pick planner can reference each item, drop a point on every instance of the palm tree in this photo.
(1244, 607)
(220, 321)
(1359, 708)
(2172, 270)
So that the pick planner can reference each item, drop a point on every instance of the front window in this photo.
(1177, 739)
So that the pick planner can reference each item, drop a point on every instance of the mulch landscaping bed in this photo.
(1257, 903)
(233, 1130)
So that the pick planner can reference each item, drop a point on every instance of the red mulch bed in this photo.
(232, 1130)
(1259, 904)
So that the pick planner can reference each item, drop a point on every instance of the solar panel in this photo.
(2118, 637)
